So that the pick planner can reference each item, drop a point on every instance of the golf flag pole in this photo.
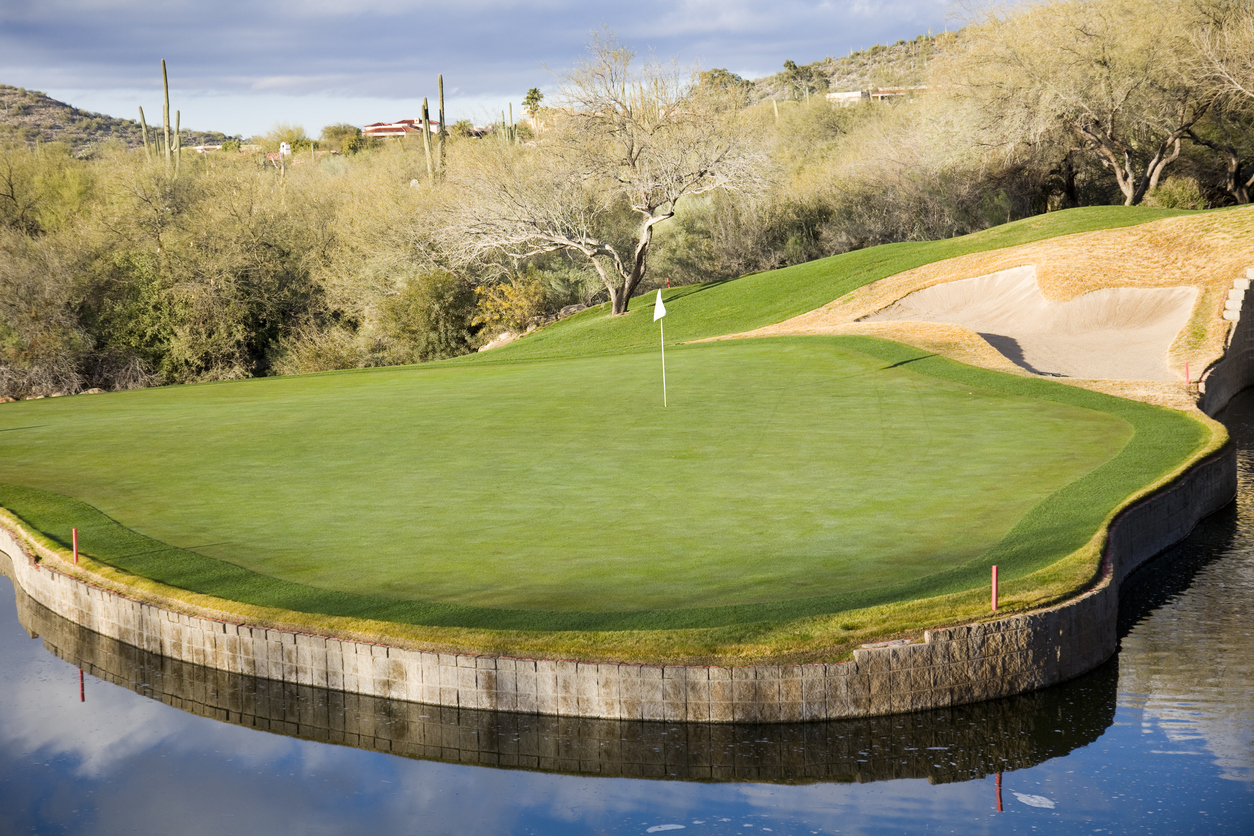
(659, 311)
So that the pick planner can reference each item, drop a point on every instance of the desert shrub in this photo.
(510, 305)
(429, 317)
(1176, 193)
(41, 341)
(319, 349)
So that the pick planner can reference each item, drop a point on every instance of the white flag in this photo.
(659, 310)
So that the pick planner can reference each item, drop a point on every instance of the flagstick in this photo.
(662, 326)
(659, 311)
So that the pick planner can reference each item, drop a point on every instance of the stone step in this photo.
(1241, 284)
(1236, 294)
(1233, 305)
(1232, 316)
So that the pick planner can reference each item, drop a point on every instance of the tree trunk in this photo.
(631, 281)
(1235, 181)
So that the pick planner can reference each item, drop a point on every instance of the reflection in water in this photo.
(1188, 653)
(947, 745)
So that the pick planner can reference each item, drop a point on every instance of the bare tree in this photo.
(1225, 45)
(1224, 40)
(1115, 74)
(624, 148)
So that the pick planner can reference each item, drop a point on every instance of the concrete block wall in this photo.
(951, 666)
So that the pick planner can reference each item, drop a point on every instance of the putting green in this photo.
(786, 477)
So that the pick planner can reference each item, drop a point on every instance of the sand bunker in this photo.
(1118, 333)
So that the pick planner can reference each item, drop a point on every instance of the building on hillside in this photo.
(847, 98)
(399, 129)
(885, 93)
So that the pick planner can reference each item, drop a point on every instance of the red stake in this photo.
(82, 695)
(76, 547)
(994, 588)
(1187, 380)
(999, 792)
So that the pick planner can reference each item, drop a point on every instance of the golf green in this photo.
(785, 477)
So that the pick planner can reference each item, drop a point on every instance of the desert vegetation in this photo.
(120, 271)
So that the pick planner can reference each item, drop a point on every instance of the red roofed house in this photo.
(403, 128)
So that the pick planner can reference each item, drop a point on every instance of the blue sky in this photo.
(241, 66)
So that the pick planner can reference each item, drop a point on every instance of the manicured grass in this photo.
(788, 478)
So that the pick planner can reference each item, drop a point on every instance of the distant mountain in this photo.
(30, 117)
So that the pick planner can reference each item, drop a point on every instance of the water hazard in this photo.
(1158, 740)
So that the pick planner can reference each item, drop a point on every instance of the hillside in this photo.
(903, 64)
(29, 116)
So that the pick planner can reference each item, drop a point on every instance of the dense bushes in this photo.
(114, 273)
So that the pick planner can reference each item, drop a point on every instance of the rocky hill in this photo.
(903, 64)
(29, 117)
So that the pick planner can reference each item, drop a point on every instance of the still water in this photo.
(1158, 740)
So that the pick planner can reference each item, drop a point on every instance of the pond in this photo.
(1158, 740)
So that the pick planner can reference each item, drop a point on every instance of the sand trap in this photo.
(1120, 333)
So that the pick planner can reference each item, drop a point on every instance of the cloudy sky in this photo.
(241, 66)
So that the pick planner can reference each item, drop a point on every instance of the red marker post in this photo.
(76, 547)
(994, 588)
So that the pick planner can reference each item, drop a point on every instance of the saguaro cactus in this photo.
(426, 141)
(143, 127)
(509, 130)
(171, 146)
(439, 163)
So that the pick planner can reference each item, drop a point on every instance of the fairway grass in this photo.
(797, 495)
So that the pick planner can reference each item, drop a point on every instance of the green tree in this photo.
(805, 81)
(282, 132)
(342, 137)
(1117, 76)
(428, 317)
(532, 101)
(727, 82)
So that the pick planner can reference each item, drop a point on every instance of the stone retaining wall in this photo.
(1236, 370)
(951, 666)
